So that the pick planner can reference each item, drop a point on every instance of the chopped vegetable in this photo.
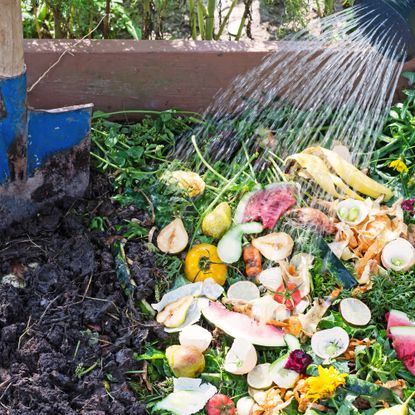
(202, 262)
(298, 361)
(282, 377)
(173, 238)
(243, 290)
(260, 377)
(253, 261)
(352, 212)
(196, 336)
(245, 405)
(271, 278)
(230, 246)
(220, 405)
(313, 219)
(241, 358)
(330, 343)
(274, 246)
(355, 312)
(398, 255)
(288, 294)
(187, 401)
(266, 309)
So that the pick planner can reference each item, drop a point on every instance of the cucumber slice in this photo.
(292, 342)
(251, 228)
(259, 377)
(230, 246)
(283, 378)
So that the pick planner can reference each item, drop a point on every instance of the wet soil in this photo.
(68, 337)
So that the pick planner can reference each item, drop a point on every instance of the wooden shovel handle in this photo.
(11, 39)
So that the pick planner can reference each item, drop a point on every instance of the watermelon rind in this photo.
(239, 325)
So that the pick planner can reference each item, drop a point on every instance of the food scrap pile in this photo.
(250, 303)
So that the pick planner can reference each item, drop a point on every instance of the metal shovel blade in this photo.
(44, 155)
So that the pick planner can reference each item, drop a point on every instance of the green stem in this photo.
(210, 19)
(219, 196)
(104, 115)
(192, 18)
(203, 160)
(226, 19)
(201, 18)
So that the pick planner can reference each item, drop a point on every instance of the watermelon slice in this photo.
(404, 345)
(239, 325)
(397, 318)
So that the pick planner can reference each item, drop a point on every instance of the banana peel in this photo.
(354, 177)
(316, 169)
(317, 162)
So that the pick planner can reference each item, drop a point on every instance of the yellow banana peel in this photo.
(354, 177)
(317, 170)
(344, 188)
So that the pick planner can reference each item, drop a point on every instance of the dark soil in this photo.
(68, 337)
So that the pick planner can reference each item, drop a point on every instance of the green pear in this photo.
(397, 409)
(185, 361)
(217, 222)
(174, 314)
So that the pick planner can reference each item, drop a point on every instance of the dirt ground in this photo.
(67, 336)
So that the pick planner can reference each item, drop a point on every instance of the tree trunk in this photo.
(107, 19)
(11, 39)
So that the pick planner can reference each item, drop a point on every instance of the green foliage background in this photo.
(156, 19)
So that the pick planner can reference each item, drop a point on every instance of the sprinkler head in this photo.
(394, 23)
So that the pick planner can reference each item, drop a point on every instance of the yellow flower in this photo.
(399, 166)
(325, 384)
(191, 182)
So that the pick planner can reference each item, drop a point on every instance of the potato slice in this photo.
(173, 238)
(276, 246)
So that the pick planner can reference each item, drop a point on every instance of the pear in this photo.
(173, 238)
(174, 314)
(185, 361)
(217, 222)
(275, 246)
(397, 409)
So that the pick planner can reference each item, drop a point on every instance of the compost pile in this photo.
(67, 331)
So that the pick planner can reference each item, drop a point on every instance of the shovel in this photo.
(44, 154)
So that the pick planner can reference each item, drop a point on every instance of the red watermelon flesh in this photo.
(268, 205)
(397, 318)
(404, 345)
(242, 326)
